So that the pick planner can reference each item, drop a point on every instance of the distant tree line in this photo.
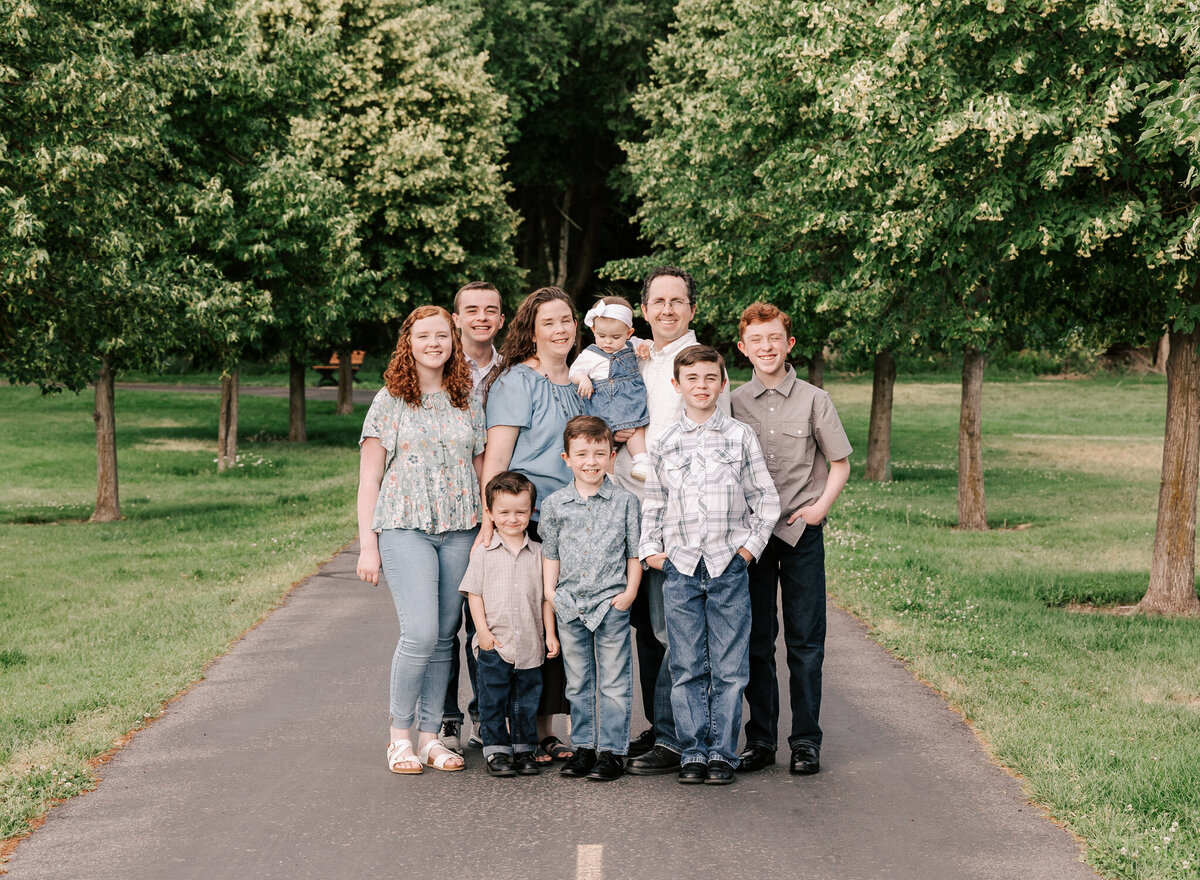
(942, 177)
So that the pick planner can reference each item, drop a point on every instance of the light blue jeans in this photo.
(423, 572)
(599, 667)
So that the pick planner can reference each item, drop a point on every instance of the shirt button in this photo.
(772, 409)
(772, 431)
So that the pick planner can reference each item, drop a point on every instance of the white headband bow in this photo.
(616, 311)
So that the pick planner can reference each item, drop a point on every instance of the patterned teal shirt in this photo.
(429, 480)
(592, 538)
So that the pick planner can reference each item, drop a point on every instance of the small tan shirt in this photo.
(800, 433)
(511, 587)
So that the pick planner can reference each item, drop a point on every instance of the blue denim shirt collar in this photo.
(605, 491)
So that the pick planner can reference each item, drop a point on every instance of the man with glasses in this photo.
(668, 304)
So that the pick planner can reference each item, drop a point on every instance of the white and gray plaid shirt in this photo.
(708, 493)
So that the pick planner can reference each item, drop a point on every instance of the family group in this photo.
(574, 504)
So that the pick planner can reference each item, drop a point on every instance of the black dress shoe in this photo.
(526, 764)
(500, 764)
(580, 764)
(692, 773)
(643, 743)
(719, 773)
(657, 761)
(806, 760)
(607, 768)
(755, 757)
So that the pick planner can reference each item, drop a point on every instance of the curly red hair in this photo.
(400, 377)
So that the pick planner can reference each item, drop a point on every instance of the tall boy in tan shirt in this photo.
(799, 431)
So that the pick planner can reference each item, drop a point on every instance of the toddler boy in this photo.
(709, 510)
(514, 628)
(589, 531)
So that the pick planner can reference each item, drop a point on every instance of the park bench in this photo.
(329, 371)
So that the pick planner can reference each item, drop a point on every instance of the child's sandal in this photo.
(398, 762)
(556, 749)
(439, 762)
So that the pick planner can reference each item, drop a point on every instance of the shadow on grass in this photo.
(1059, 589)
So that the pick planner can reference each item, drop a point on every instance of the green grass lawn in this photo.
(1098, 713)
(101, 624)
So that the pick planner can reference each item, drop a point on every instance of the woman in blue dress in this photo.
(528, 400)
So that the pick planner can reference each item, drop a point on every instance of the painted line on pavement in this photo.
(589, 862)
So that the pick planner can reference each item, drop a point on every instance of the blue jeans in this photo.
(451, 712)
(664, 714)
(508, 699)
(708, 622)
(423, 572)
(599, 668)
(797, 574)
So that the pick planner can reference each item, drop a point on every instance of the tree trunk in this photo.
(816, 368)
(297, 432)
(579, 283)
(879, 433)
(1162, 352)
(1172, 587)
(108, 504)
(345, 395)
(227, 424)
(972, 513)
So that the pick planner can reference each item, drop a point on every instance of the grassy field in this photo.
(101, 624)
(1099, 713)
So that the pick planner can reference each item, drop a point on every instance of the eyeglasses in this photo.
(676, 304)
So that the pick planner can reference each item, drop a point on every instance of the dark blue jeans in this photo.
(508, 701)
(797, 576)
(451, 712)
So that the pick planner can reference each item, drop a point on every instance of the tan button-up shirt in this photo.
(511, 587)
(799, 432)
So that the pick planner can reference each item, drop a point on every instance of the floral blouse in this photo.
(429, 482)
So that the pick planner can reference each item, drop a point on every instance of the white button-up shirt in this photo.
(664, 403)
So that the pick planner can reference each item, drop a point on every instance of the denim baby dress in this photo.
(621, 398)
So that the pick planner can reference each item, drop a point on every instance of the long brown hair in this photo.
(518, 344)
(401, 374)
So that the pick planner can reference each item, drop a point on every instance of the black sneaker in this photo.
(526, 764)
(500, 764)
(656, 762)
(607, 768)
(451, 735)
(641, 744)
(580, 764)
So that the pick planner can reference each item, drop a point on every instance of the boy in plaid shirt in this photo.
(709, 510)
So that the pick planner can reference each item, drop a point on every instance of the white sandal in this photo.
(439, 762)
(397, 760)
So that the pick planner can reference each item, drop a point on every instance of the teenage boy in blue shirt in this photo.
(709, 510)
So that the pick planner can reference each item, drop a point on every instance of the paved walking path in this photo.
(273, 767)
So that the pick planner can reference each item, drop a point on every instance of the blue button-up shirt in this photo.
(592, 538)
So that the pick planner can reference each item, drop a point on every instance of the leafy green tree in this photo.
(569, 69)
(412, 128)
(93, 282)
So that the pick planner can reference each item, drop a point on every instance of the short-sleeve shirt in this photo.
(511, 587)
(524, 398)
(429, 480)
(592, 538)
(799, 431)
